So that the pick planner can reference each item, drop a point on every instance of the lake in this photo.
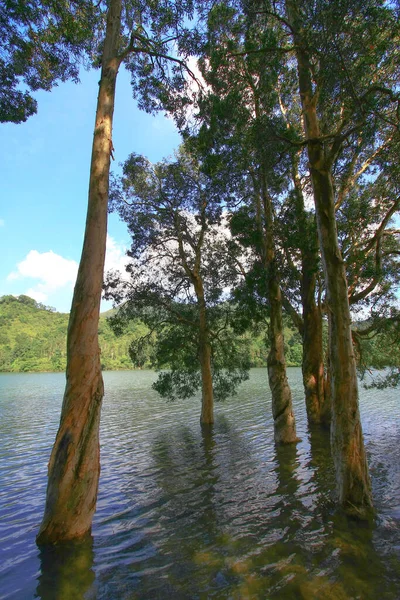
(189, 514)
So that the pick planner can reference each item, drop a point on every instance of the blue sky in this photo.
(44, 182)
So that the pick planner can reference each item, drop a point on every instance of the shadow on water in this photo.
(187, 472)
(66, 571)
(321, 467)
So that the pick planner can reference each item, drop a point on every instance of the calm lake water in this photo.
(185, 514)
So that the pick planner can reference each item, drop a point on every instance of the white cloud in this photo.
(36, 295)
(116, 259)
(55, 275)
(2, 223)
(52, 271)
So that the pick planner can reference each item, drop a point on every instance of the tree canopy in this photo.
(41, 43)
(183, 268)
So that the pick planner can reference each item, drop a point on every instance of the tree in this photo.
(237, 115)
(74, 465)
(41, 43)
(321, 34)
(347, 82)
(370, 245)
(182, 267)
(303, 292)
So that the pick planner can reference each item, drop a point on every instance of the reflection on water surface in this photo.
(188, 513)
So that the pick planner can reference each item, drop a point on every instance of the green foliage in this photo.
(252, 124)
(156, 41)
(45, 42)
(377, 342)
(182, 268)
(33, 338)
(41, 43)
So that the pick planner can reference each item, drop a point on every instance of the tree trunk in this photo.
(318, 411)
(346, 436)
(207, 403)
(74, 467)
(282, 408)
(207, 394)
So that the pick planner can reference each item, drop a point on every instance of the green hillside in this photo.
(33, 338)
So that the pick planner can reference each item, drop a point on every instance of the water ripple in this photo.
(187, 514)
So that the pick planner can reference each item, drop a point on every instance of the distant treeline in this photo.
(33, 338)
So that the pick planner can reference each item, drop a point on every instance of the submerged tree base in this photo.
(285, 428)
(74, 467)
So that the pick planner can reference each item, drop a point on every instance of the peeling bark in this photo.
(282, 407)
(74, 467)
(318, 410)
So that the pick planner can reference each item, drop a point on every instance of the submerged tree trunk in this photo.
(282, 408)
(74, 467)
(207, 393)
(346, 436)
(207, 403)
(318, 410)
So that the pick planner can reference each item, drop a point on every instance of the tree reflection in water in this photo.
(66, 571)
(221, 512)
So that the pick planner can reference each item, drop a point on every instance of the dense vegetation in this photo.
(33, 338)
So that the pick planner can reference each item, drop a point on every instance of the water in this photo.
(188, 514)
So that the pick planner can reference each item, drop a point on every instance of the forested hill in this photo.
(33, 338)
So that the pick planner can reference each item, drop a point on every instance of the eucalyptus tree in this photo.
(236, 119)
(182, 268)
(300, 269)
(303, 293)
(366, 184)
(347, 77)
(344, 60)
(147, 37)
(254, 68)
(41, 43)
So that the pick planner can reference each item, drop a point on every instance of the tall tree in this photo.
(256, 69)
(74, 466)
(321, 34)
(303, 290)
(237, 118)
(182, 268)
(141, 36)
